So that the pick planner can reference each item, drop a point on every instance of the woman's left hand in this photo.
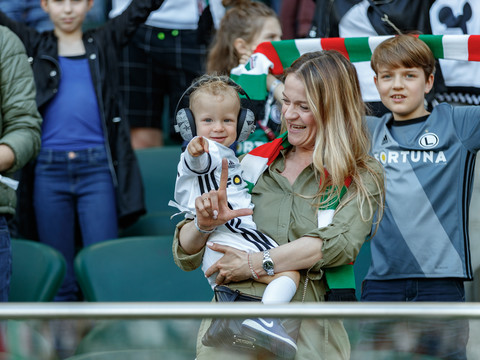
(231, 267)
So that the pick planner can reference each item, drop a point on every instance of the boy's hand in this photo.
(197, 146)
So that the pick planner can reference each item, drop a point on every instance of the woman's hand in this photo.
(212, 208)
(231, 267)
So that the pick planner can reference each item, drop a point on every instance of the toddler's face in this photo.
(216, 117)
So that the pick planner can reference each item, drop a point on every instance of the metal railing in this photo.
(199, 310)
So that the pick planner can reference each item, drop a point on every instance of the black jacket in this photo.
(103, 46)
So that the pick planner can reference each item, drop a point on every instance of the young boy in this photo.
(215, 107)
(421, 249)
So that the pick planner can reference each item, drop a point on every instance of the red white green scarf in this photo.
(256, 162)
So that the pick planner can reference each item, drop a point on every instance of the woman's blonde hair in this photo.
(342, 142)
(244, 19)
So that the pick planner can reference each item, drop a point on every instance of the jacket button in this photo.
(30, 60)
(93, 56)
(90, 40)
(53, 73)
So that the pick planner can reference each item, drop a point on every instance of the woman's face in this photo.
(299, 119)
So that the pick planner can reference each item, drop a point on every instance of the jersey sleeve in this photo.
(466, 121)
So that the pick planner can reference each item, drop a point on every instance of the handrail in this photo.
(198, 310)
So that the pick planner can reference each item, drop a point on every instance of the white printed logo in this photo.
(267, 324)
(428, 141)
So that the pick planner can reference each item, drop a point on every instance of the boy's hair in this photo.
(214, 85)
(244, 20)
(404, 51)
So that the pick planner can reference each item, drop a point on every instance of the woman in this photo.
(326, 131)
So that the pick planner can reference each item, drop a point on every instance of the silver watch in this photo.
(268, 264)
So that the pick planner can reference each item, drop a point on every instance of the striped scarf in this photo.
(275, 56)
(341, 279)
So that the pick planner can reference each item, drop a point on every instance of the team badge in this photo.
(428, 140)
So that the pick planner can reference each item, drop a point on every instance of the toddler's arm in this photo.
(196, 156)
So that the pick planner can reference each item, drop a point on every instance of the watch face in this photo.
(268, 265)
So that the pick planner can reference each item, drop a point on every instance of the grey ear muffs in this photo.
(185, 122)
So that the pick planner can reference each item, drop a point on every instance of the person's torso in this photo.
(429, 175)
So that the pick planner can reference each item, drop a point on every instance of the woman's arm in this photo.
(300, 254)
(330, 246)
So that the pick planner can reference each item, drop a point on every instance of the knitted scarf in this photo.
(340, 279)
(275, 56)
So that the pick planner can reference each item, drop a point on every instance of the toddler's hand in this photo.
(197, 146)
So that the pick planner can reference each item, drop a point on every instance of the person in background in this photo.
(296, 18)
(86, 170)
(166, 53)
(20, 125)
(323, 153)
(245, 25)
(31, 13)
(421, 251)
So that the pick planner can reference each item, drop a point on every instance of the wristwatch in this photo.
(268, 264)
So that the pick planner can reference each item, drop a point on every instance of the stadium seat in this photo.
(137, 269)
(158, 166)
(37, 271)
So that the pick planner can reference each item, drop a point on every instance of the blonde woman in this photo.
(324, 151)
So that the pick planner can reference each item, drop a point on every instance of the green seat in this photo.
(143, 354)
(137, 269)
(168, 339)
(151, 224)
(158, 166)
(37, 271)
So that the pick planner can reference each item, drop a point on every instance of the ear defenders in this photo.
(185, 121)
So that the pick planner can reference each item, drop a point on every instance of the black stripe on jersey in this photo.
(200, 172)
(468, 176)
(208, 182)
(200, 184)
(253, 236)
(214, 182)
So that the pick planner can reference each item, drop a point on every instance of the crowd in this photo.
(389, 159)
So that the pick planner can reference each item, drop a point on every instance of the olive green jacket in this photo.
(286, 216)
(20, 122)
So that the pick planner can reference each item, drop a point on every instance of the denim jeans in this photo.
(446, 339)
(5, 259)
(74, 186)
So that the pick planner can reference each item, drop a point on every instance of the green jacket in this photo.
(20, 122)
(295, 216)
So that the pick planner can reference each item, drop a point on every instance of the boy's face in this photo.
(402, 90)
(67, 15)
(216, 117)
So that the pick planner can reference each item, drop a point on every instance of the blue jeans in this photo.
(70, 186)
(5, 259)
(446, 339)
